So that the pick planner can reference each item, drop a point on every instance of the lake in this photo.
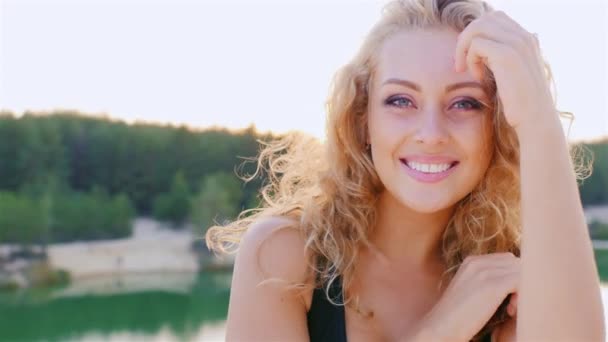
(160, 307)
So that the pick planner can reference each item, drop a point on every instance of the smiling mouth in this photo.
(452, 165)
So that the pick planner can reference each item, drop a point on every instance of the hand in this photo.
(512, 307)
(474, 294)
(506, 331)
(513, 56)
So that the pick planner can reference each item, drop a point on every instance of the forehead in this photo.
(419, 55)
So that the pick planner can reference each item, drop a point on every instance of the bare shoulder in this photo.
(270, 257)
(277, 245)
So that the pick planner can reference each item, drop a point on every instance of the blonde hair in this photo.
(330, 189)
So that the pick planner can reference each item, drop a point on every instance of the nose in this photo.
(431, 128)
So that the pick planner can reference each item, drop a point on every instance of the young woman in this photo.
(444, 153)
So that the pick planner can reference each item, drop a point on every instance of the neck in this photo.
(408, 238)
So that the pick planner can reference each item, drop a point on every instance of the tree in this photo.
(217, 201)
(174, 206)
(22, 220)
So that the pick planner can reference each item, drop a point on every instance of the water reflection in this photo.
(161, 307)
(207, 332)
(127, 309)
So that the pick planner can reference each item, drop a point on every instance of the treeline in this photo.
(65, 176)
(594, 190)
(66, 216)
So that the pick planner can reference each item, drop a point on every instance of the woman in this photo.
(405, 225)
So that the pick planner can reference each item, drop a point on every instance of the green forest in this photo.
(65, 176)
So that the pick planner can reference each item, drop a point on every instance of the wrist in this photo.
(424, 336)
(426, 332)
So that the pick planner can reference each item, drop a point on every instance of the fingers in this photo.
(497, 27)
(488, 266)
(477, 28)
(500, 272)
(492, 260)
(506, 280)
(477, 56)
(512, 25)
(514, 299)
(512, 307)
(508, 284)
(479, 288)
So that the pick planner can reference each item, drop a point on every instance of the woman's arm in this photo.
(559, 297)
(268, 312)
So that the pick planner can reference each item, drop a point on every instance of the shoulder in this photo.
(277, 245)
(267, 229)
(270, 258)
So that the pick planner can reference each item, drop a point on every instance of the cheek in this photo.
(389, 139)
(385, 125)
(479, 146)
(386, 136)
(382, 129)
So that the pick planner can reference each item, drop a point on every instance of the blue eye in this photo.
(404, 102)
(469, 104)
(398, 101)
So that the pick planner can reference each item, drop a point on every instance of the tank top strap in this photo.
(326, 320)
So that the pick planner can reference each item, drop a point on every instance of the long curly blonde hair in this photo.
(330, 188)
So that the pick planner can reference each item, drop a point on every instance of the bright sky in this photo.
(231, 63)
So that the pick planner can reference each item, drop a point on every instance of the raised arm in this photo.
(560, 297)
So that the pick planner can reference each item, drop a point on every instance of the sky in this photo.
(234, 63)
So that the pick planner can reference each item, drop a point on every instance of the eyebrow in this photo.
(448, 88)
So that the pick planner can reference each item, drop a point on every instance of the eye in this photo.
(398, 101)
(469, 104)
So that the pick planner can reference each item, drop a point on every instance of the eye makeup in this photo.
(406, 102)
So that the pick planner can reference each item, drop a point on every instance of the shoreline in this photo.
(153, 248)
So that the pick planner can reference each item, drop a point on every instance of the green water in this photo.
(185, 308)
(147, 314)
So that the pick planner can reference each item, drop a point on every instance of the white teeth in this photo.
(428, 168)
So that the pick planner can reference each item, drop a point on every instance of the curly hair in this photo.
(330, 188)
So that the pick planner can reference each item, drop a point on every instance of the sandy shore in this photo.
(152, 248)
(155, 248)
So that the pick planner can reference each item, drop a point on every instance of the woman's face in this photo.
(424, 118)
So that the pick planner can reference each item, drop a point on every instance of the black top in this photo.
(326, 321)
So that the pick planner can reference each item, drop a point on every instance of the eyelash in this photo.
(475, 105)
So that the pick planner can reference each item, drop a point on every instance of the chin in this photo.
(426, 205)
(427, 209)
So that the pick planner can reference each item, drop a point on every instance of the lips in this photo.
(452, 164)
(428, 159)
(428, 177)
